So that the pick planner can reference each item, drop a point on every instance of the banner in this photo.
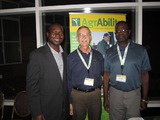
(99, 24)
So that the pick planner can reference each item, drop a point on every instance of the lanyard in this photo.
(84, 62)
(122, 60)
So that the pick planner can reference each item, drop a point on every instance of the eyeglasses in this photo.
(83, 35)
(122, 30)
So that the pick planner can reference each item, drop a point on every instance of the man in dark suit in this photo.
(46, 78)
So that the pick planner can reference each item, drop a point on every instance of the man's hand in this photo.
(71, 109)
(106, 105)
(39, 117)
(143, 104)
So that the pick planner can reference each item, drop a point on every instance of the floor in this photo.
(8, 114)
(148, 114)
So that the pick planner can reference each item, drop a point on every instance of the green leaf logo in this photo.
(75, 21)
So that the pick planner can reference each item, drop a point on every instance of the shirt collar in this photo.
(55, 52)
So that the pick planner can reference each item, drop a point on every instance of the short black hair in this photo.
(122, 21)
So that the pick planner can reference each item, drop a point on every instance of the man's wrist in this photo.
(145, 101)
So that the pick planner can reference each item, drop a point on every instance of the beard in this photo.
(121, 40)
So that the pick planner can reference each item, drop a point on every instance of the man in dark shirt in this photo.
(85, 71)
(126, 67)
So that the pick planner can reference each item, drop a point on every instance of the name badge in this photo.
(89, 81)
(121, 78)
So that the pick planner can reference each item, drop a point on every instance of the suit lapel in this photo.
(64, 56)
(51, 59)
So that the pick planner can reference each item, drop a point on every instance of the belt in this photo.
(125, 90)
(90, 90)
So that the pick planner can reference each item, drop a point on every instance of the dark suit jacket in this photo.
(48, 94)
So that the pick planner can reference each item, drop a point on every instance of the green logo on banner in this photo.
(75, 21)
